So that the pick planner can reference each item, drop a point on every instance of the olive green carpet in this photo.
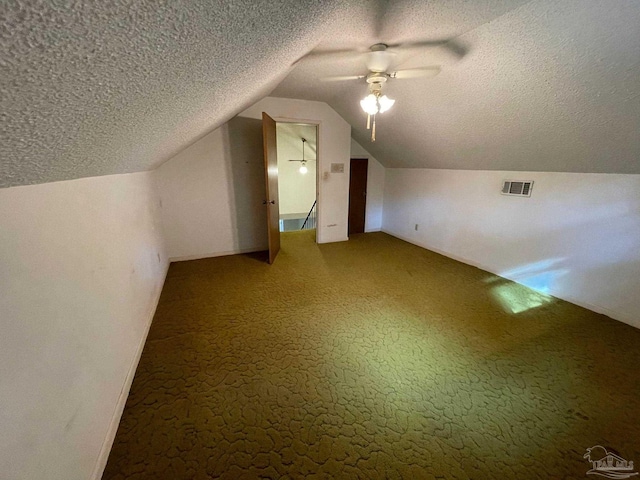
(372, 359)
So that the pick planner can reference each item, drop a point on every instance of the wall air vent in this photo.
(519, 188)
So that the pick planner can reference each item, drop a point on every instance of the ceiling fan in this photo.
(379, 61)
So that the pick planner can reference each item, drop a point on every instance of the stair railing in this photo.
(310, 221)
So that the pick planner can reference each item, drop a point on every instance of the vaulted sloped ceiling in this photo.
(92, 88)
(544, 85)
(100, 87)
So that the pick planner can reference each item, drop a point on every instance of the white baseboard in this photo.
(124, 392)
(199, 256)
(344, 239)
(621, 317)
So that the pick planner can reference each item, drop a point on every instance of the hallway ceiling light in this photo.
(303, 168)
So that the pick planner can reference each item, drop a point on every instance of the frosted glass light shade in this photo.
(369, 104)
(385, 103)
(303, 169)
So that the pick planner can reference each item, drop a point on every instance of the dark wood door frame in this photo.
(358, 194)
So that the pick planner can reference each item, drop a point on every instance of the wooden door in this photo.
(271, 177)
(357, 194)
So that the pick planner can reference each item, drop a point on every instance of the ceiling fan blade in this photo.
(342, 78)
(420, 44)
(452, 47)
(416, 72)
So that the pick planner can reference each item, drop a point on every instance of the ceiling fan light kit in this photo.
(375, 102)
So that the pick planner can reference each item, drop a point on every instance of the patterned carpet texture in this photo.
(372, 359)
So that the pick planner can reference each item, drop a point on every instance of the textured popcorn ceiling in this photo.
(544, 86)
(93, 88)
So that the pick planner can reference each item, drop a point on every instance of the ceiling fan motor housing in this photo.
(379, 59)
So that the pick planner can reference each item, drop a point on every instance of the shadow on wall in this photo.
(245, 168)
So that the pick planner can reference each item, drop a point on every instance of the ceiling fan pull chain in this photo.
(368, 122)
(373, 130)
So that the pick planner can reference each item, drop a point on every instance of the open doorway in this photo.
(297, 175)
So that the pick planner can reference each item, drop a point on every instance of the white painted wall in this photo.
(82, 264)
(212, 192)
(577, 237)
(375, 188)
(296, 191)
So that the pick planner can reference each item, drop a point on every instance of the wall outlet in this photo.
(416, 227)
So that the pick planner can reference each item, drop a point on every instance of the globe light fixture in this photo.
(303, 163)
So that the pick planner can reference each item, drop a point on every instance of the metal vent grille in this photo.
(519, 188)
